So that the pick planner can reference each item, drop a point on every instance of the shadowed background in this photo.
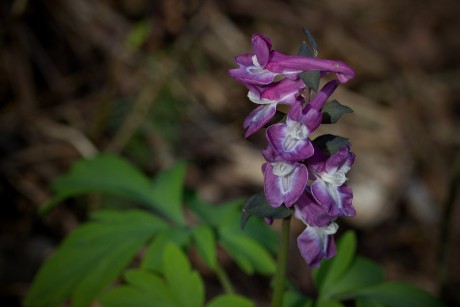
(148, 80)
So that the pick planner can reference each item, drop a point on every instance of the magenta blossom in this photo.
(284, 181)
(291, 140)
(317, 243)
(262, 66)
(329, 188)
(283, 92)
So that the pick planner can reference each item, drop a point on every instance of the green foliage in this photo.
(347, 277)
(98, 252)
(205, 242)
(115, 176)
(249, 248)
(186, 284)
(178, 286)
(330, 144)
(83, 269)
(91, 257)
(259, 206)
(333, 110)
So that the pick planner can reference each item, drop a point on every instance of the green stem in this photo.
(278, 291)
(224, 280)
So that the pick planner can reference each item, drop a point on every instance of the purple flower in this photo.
(284, 181)
(317, 243)
(310, 212)
(262, 66)
(320, 99)
(252, 65)
(289, 65)
(329, 188)
(290, 140)
(285, 91)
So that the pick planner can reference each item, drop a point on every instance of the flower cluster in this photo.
(298, 172)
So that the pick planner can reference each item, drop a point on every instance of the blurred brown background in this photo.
(148, 80)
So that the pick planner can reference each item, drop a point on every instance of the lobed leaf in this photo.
(249, 254)
(329, 144)
(91, 257)
(115, 176)
(230, 300)
(205, 242)
(333, 110)
(153, 256)
(346, 248)
(187, 286)
(258, 205)
(398, 294)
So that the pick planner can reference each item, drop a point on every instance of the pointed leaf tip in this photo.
(258, 205)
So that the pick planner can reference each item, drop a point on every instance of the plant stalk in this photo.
(280, 275)
(224, 280)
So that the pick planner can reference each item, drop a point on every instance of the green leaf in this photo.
(306, 50)
(346, 248)
(398, 294)
(206, 244)
(115, 176)
(333, 110)
(127, 296)
(311, 40)
(186, 285)
(167, 192)
(328, 303)
(293, 298)
(153, 256)
(230, 300)
(367, 302)
(91, 257)
(311, 79)
(249, 254)
(152, 284)
(361, 274)
(330, 144)
(258, 205)
(212, 214)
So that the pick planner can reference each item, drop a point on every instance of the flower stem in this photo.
(278, 291)
(224, 280)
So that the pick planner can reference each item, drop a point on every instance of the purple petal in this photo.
(320, 99)
(261, 46)
(310, 212)
(288, 146)
(315, 244)
(336, 200)
(308, 116)
(252, 75)
(287, 64)
(258, 118)
(285, 91)
(244, 60)
(285, 188)
(340, 161)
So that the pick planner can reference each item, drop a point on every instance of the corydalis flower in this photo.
(283, 92)
(317, 243)
(290, 140)
(262, 66)
(284, 181)
(329, 188)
